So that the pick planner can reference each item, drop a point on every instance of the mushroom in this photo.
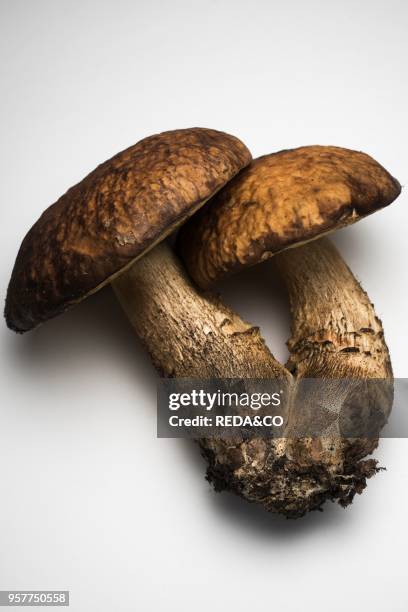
(114, 216)
(276, 203)
(110, 228)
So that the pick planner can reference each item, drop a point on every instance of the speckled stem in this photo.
(335, 331)
(189, 333)
(335, 335)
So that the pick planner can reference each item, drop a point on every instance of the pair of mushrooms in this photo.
(110, 228)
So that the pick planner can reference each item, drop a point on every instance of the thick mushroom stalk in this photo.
(335, 331)
(337, 337)
(192, 334)
(189, 333)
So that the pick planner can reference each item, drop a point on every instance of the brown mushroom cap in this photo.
(280, 201)
(113, 216)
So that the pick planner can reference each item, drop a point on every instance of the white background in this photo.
(90, 499)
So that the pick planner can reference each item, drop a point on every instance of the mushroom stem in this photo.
(337, 337)
(189, 333)
(335, 331)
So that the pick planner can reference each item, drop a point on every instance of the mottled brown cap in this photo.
(280, 201)
(111, 218)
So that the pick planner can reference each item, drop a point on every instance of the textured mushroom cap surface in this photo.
(113, 216)
(279, 201)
